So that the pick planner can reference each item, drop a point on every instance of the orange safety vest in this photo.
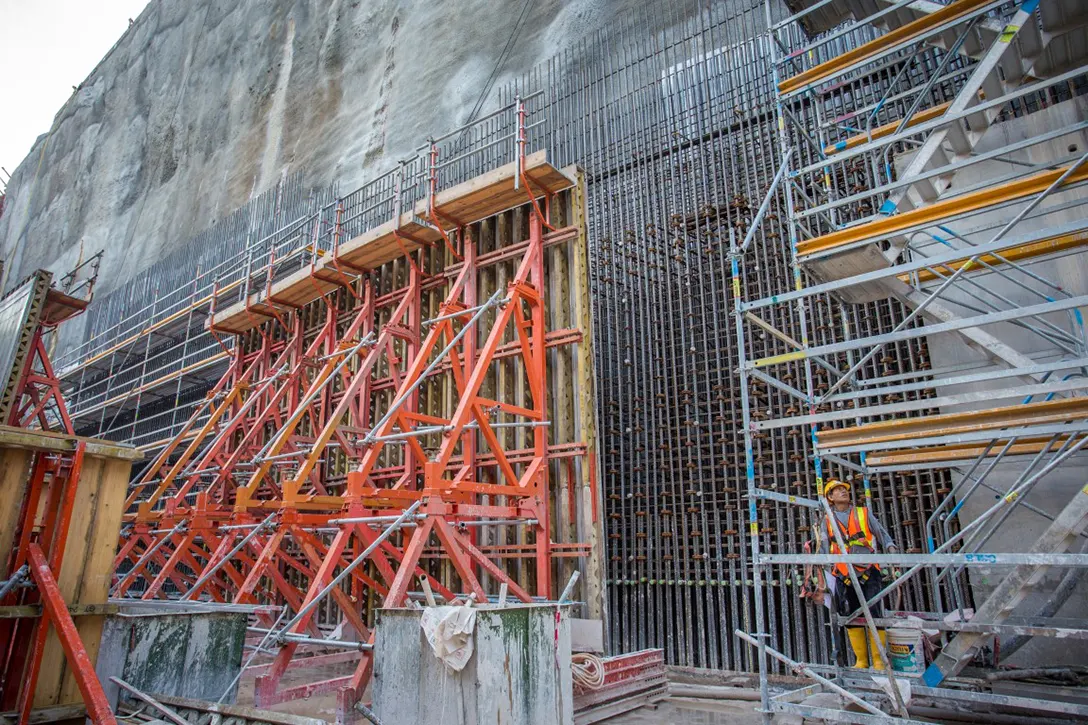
(855, 533)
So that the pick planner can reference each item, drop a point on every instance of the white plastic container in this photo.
(906, 651)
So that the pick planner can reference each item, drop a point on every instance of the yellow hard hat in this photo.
(832, 484)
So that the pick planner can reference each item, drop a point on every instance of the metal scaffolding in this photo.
(899, 181)
(670, 112)
(673, 115)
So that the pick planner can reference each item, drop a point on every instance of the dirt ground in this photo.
(672, 711)
(678, 711)
(687, 711)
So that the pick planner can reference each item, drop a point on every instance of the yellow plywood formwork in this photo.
(84, 577)
(468, 202)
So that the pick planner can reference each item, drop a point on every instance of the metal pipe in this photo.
(782, 168)
(16, 579)
(495, 299)
(569, 588)
(367, 713)
(372, 519)
(151, 552)
(170, 714)
(402, 435)
(303, 639)
(346, 571)
(809, 672)
(219, 565)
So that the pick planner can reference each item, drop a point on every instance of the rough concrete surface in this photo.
(203, 104)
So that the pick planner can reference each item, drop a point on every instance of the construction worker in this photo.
(863, 534)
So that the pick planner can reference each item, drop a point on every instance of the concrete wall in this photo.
(948, 350)
(518, 674)
(193, 654)
(203, 104)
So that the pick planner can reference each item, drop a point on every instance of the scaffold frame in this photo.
(859, 222)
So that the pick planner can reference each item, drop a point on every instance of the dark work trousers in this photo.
(871, 584)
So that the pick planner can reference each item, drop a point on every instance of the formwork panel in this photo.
(87, 568)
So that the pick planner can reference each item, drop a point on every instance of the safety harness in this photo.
(858, 538)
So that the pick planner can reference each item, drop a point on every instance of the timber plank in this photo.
(1037, 413)
(37, 440)
(588, 492)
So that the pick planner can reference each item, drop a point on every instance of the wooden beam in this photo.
(74, 610)
(60, 713)
(1041, 248)
(931, 214)
(1038, 413)
(37, 440)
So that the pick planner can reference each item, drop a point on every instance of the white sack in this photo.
(449, 632)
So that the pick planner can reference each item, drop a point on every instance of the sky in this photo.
(46, 47)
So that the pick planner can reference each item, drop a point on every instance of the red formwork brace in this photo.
(444, 501)
(40, 543)
(55, 611)
(45, 513)
(218, 515)
(38, 391)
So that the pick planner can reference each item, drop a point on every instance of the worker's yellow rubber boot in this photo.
(856, 635)
(878, 661)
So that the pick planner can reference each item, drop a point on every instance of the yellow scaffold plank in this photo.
(915, 29)
(887, 129)
(1041, 248)
(931, 214)
(1038, 413)
(962, 451)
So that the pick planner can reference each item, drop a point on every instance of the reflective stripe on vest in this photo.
(856, 525)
